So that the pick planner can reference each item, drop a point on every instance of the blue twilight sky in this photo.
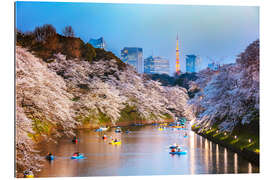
(212, 32)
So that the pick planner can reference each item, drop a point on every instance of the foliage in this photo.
(88, 52)
(164, 79)
(42, 104)
(230, 97)
(44, 42)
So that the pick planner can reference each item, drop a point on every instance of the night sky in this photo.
(212, 32)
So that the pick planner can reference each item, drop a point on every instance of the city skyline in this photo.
(212, 32)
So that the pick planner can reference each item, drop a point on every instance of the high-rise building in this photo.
(156, 65)
(191, 62)
(98, 43)
(177, 63)
(213, 66)
(133, 56)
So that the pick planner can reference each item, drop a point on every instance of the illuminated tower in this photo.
(177, 64)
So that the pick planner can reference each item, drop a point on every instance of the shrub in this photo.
(88, 52)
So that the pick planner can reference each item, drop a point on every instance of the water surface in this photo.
(144, 151)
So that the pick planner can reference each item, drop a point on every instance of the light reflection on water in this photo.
(217, 158)
(143, 152)
(235, 163)
(225, 161)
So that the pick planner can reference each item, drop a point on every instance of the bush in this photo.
(88, 52)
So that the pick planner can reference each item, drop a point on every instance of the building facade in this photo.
(156, 65)
(134, 57)
(213, 66)
(191, 63)
(98, 43)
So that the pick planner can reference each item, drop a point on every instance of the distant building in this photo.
(133, 56)
(191, 63)
(156, 65)
(213, 66)
(98, 43)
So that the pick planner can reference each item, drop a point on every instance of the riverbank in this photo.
(248, 148)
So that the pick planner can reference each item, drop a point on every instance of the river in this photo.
(144, 151)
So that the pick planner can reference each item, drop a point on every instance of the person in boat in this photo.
(173, 150)
(76, 154)
(115, 140)
(185, 134)
(49, 156)
(75, 139)
(178, 149)
(104, 136)
(28, 172)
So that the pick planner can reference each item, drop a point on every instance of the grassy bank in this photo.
(242, 142)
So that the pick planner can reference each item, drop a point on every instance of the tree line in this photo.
(44, 42)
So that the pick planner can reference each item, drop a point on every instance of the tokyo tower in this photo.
(177, 64)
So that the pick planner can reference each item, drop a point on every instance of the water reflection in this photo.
(210, 153)
(225, 161)
(249, 168)
(143, 152)
(206, 157)
(217, 158)
(192, 152)
(235, 163)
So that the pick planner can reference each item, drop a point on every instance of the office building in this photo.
(98, 43)
(134, 57)
(156, 65)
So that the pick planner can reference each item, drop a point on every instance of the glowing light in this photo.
(225, 134)
(235, 137)
(217, 131)
(249, 140)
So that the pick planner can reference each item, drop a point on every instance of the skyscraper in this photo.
(213, 66)
(191, 63)
(98, 43)
(177, 64)
(133, 56)
(156, 65)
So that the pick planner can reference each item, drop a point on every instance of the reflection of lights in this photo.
(225, 160)
(210, 155)
(217, 158)
(206, 154)
(192, 152)
(201, 142)
(235, 163)
(249, 168)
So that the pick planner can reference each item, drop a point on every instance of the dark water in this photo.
(143, 152)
